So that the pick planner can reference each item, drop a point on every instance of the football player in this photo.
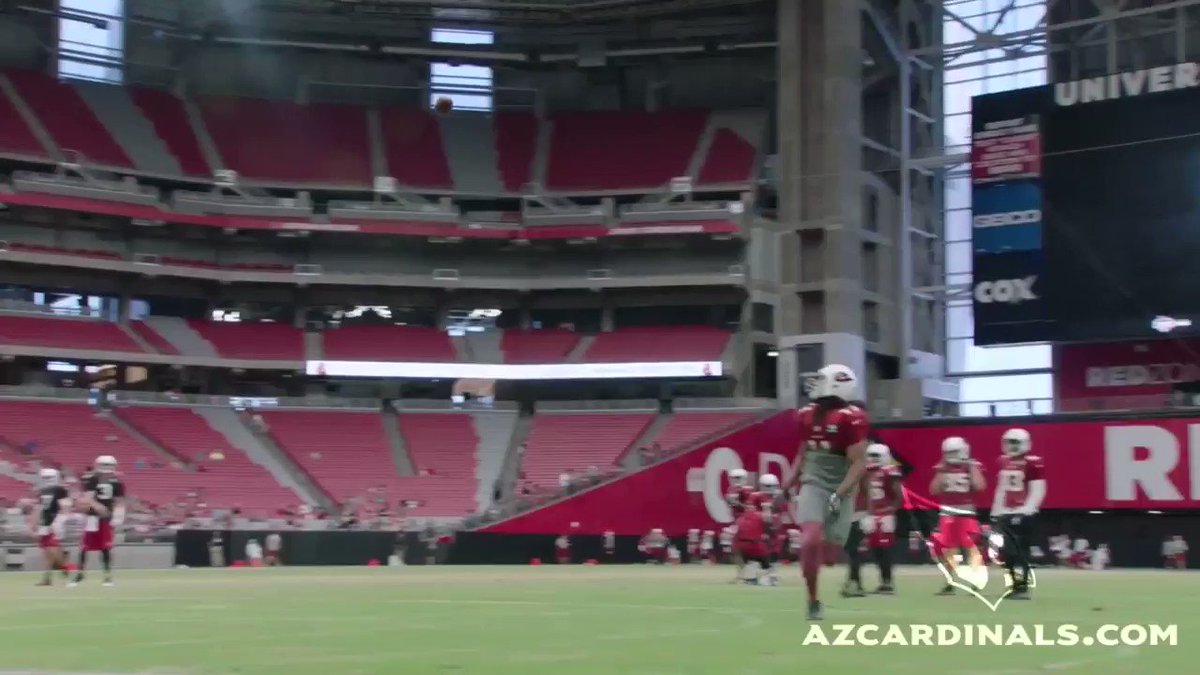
(830, 463)
(755, 527)
(104, 498)
(1020, 490)
(53, 506)
(738, 497)
(562, 550)
(693, 546)
(957, 481)
(885, 495)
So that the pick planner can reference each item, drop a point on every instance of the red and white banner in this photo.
(1089, 464)
(1123, 369)
(1012, 149)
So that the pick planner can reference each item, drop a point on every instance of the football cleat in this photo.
(851, 589)
(946, 590)
(885, 589)
(815, 611)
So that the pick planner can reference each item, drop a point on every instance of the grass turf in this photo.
(597, 620)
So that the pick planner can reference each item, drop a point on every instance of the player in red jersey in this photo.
(654, 546)
(755, 530)
(830, 463)
(1020, 490)
(52, 508)
(562, 550)
(738, 496)
(693, 546)
(884, 496)
(957, 481)
(104, 495)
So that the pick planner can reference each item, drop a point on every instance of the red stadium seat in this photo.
(68, 118)
(170, 120)
(15, 135)
(621, 150)
(152, 338)
(730, 159)
(67, 333)
(537, 346)
(412, 146)
(516, 145)
(561, 442)
(658, 343)
(272, 341)
(278, 140)
(685, 428)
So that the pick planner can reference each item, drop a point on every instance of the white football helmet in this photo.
(49, 477)
(878, 454)
(105, 464)
(768, 482)
(738, 477)
(835, 380)
(955, 449)
(1016, 442)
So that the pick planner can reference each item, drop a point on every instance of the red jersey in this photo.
(827, 435)
(957, 495)
(742, 498)
(882, 488)
(1015, 475)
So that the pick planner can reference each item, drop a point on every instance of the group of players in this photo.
(101, 505)
(836, 458)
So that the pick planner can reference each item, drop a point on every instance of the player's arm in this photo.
(1037, 489)
(896, 485)
(935, 485)
(998, 508)
(118, 515)
(857, 455)
(798, 467)
(978, 482)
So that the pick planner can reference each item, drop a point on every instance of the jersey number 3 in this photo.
(956, 482)
(1013, 481)
(104, 491)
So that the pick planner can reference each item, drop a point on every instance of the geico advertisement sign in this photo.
(485, 371)
(1088, 464)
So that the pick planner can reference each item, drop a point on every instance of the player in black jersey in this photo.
(53, 506)
(104, 496)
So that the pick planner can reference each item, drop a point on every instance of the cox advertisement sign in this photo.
(1143, 368)
(1007, 297)
(1093, 464)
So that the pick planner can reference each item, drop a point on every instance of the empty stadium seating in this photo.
(384, 343)
(65, 333)
(152, 338)
(12, 489)
(658, 343)
(71, 435)
(684, 428)
(228, 479)
(537, 346)
(271, 341)
(169, 118)
(15, 135)
(67, 118)
(562, 442)
(444, 446)
(730, 159)
(516, 145)
(412, 147)
(278, 140)
(615, 150)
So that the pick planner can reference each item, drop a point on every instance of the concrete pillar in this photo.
(606, 318)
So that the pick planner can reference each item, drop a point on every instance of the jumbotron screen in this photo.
(1086, 208)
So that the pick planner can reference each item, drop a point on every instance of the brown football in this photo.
(443, 105)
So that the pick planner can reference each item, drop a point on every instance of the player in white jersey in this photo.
(1020, 490)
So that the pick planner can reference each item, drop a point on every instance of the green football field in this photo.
(604, 620)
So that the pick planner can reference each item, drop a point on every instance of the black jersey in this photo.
(107, 490)
(50, 504)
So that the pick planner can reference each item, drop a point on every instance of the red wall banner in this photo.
(685, 492)
(1085, 372)
(1090, 464)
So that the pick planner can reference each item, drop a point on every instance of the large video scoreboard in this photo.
(1086, 208)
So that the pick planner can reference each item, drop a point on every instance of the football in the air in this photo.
(443, 105)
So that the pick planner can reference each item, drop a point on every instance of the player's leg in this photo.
(1021, 531)
(811, 508)
(853, 587)
(881, 549)
(51, 555)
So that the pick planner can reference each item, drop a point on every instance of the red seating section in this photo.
(412, 146)
(614, 150)
(537, 346)
(685, 428)
(270, 341)
(171, 123)
(68, 119)
(444, 446)
(388, 343)
(658, 343)
(346, 453)
(57, 250)
(12, 489)
(15, 135)
(152, 338)
(65, 333)
(279, 140)
(232, 480)
(516, 145)
(561, 442)
(70, 436)
(730, 159)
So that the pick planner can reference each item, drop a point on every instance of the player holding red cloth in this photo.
(957, 481)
